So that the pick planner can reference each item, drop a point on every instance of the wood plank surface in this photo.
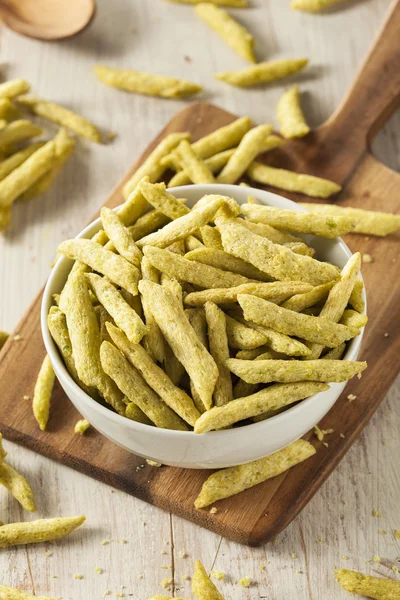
(366, 478)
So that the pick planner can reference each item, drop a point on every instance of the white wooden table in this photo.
(165, 38)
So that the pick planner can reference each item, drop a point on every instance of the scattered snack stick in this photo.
(290, 116)
(61, 115)
(14, 88)
(146, 83)
(15, 483)
(64, 146)
(369, 222)
(202, 586)
(228, 29)
(365, 585)
(300, 222)
(42, 393)
(194, 167)
(219, 140)
(9, 593)
(313, 5)
(231, 481)
(233, 3)
(28, 173)
(291, 181)
(253, 143)
(215, 163)
(81, 426)
(17, 131)
(43, 530)
(3, 337)
(263, 72)
(153, 169)
(15, 160)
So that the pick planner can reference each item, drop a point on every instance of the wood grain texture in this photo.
(367, 477)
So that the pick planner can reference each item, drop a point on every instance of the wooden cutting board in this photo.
(339, 150)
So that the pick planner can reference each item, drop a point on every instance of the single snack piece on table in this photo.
(42, 393)
(202, 586)
(81, 426)
(146, 83)
(263, 72)
(290, 116)
(228, 28)
(313, 5)
(233, 480)
(233, 3)
(301, 222)
(43, 530)
(253, 143)
(366, 585)
(61, 115)
(215, 142)
(15, 483)
(369, 222)
(292, 182)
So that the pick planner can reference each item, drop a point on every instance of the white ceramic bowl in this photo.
(215, 449)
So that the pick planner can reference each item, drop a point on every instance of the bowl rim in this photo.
(91, 404)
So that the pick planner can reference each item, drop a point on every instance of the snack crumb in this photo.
(345, 557)
(166, 583)
(386, 334)
(319, 541)
(104, 542)
(321, 433)
(382, 531)
(342, 436)
(298, 571)
(78, 576)
(26, 397)
(122, 541)
(187, 59)
(325, 444)
(140, 576)
(294, 555)
(48, 553)
(367, 258)
(166, 567)
(397, 534)
(111, 135)
(98, 570)
(376, 558)
(183, 554)
(164, 552)
(81, 426)
(261, 567)
(213, 510)
(245, 582)
(107, 593)
(351, 397)
(217, 575)
(186, 577)
(153, 463)
(375, 513)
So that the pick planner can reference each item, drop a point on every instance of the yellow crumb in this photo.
(111, 135)
(166, 583)
(382, 531)
(107, 593)
(77, 576)
(182, 554)
(325, 444)
(213, 510)
(397, 534)
(17, 338)
(120, 595)
(81, 426)
(351, 397)
(261, 567)
(294, 555)
(367, 258)
(376, 558)
(104, 542)
(217, 575)
(186, 577)
(164, 552)
(395, 569)
(319, 541)
(298, 571)
(122, 541)
(375, 513)
(321, 433)
(26, 398)
(345, 557)
(342, 436)
(98, 570)
(166, 567)
(245, 582)
(48, 553)
(153, 463)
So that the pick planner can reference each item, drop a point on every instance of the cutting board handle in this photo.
(375, 93)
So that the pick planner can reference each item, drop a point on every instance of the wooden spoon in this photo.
(47, 19)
